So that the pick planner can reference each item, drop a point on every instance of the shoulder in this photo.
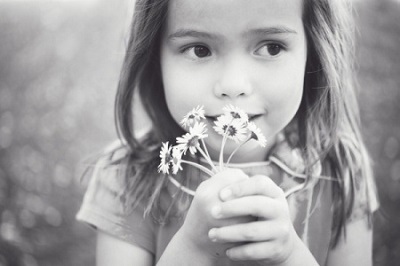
(104, 206)
(120, 173)
(118, 150)
(106, 180)
(113, 153)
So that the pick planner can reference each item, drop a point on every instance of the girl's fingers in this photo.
(256, 185)
(258, 251)
(225, 178)
(212, 186)
(258, 206)
(247, 232)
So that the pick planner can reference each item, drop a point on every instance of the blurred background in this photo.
(59, 66)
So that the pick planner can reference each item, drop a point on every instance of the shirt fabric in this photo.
(102, 209)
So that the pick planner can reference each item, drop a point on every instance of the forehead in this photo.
(232, 15)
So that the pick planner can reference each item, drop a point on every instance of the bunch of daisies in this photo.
(233, 125)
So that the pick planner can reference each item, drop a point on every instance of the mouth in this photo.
(212, 119)
(252, 117)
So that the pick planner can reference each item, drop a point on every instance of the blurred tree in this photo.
(59, 66)
(379, 82)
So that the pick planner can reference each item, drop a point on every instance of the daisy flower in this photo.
(166, 157)
(232, 124)
(170, 158)
(190, 141)
(233, 129)
(196, 115)
(236, 113)
(255, 133)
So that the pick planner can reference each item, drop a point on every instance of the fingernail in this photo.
(225, 194)
(212, 234)
(230, 255)
(216, 211)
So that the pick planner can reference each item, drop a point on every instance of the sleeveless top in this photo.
(102, 209)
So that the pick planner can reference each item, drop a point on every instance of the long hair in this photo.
(327, 120)
(329, 115)
(141, 75)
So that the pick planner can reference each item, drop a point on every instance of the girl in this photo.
(288, 65)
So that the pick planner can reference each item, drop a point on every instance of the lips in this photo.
(254, 117)
(211, 118)
(251, 117)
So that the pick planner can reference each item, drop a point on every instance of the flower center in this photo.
(235, 115)
(230, 130)
(254, 136)
(168, 157)
(193, 142)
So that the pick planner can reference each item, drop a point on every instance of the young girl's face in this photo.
(250, 54)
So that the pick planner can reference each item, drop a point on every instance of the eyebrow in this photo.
(270, 31)
(182, 33)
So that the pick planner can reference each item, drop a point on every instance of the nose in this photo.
(233, 81)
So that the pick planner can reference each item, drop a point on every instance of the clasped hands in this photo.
(242, 218)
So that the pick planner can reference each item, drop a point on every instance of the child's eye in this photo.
(197, 51)
(269, 49)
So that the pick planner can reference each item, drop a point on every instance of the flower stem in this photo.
(180, 186)
(208, 159)
(198, 166)
(235, 150)
(205, 148)
(221, 152)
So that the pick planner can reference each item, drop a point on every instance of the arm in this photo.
(181, 252)
(113, 251)
(191, 244)
(356, 248)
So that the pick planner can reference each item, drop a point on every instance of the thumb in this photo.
(228, 176)
(212, 186)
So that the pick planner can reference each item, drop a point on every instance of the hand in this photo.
(200, 218)
(271, 238)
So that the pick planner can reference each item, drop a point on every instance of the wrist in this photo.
(183, 251)
(300, 255)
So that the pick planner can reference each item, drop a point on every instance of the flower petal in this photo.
(195, 115)
(255, 133)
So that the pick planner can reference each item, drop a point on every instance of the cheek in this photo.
(287, 88)
(174, 95)
(284, 98)
(182, 90)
